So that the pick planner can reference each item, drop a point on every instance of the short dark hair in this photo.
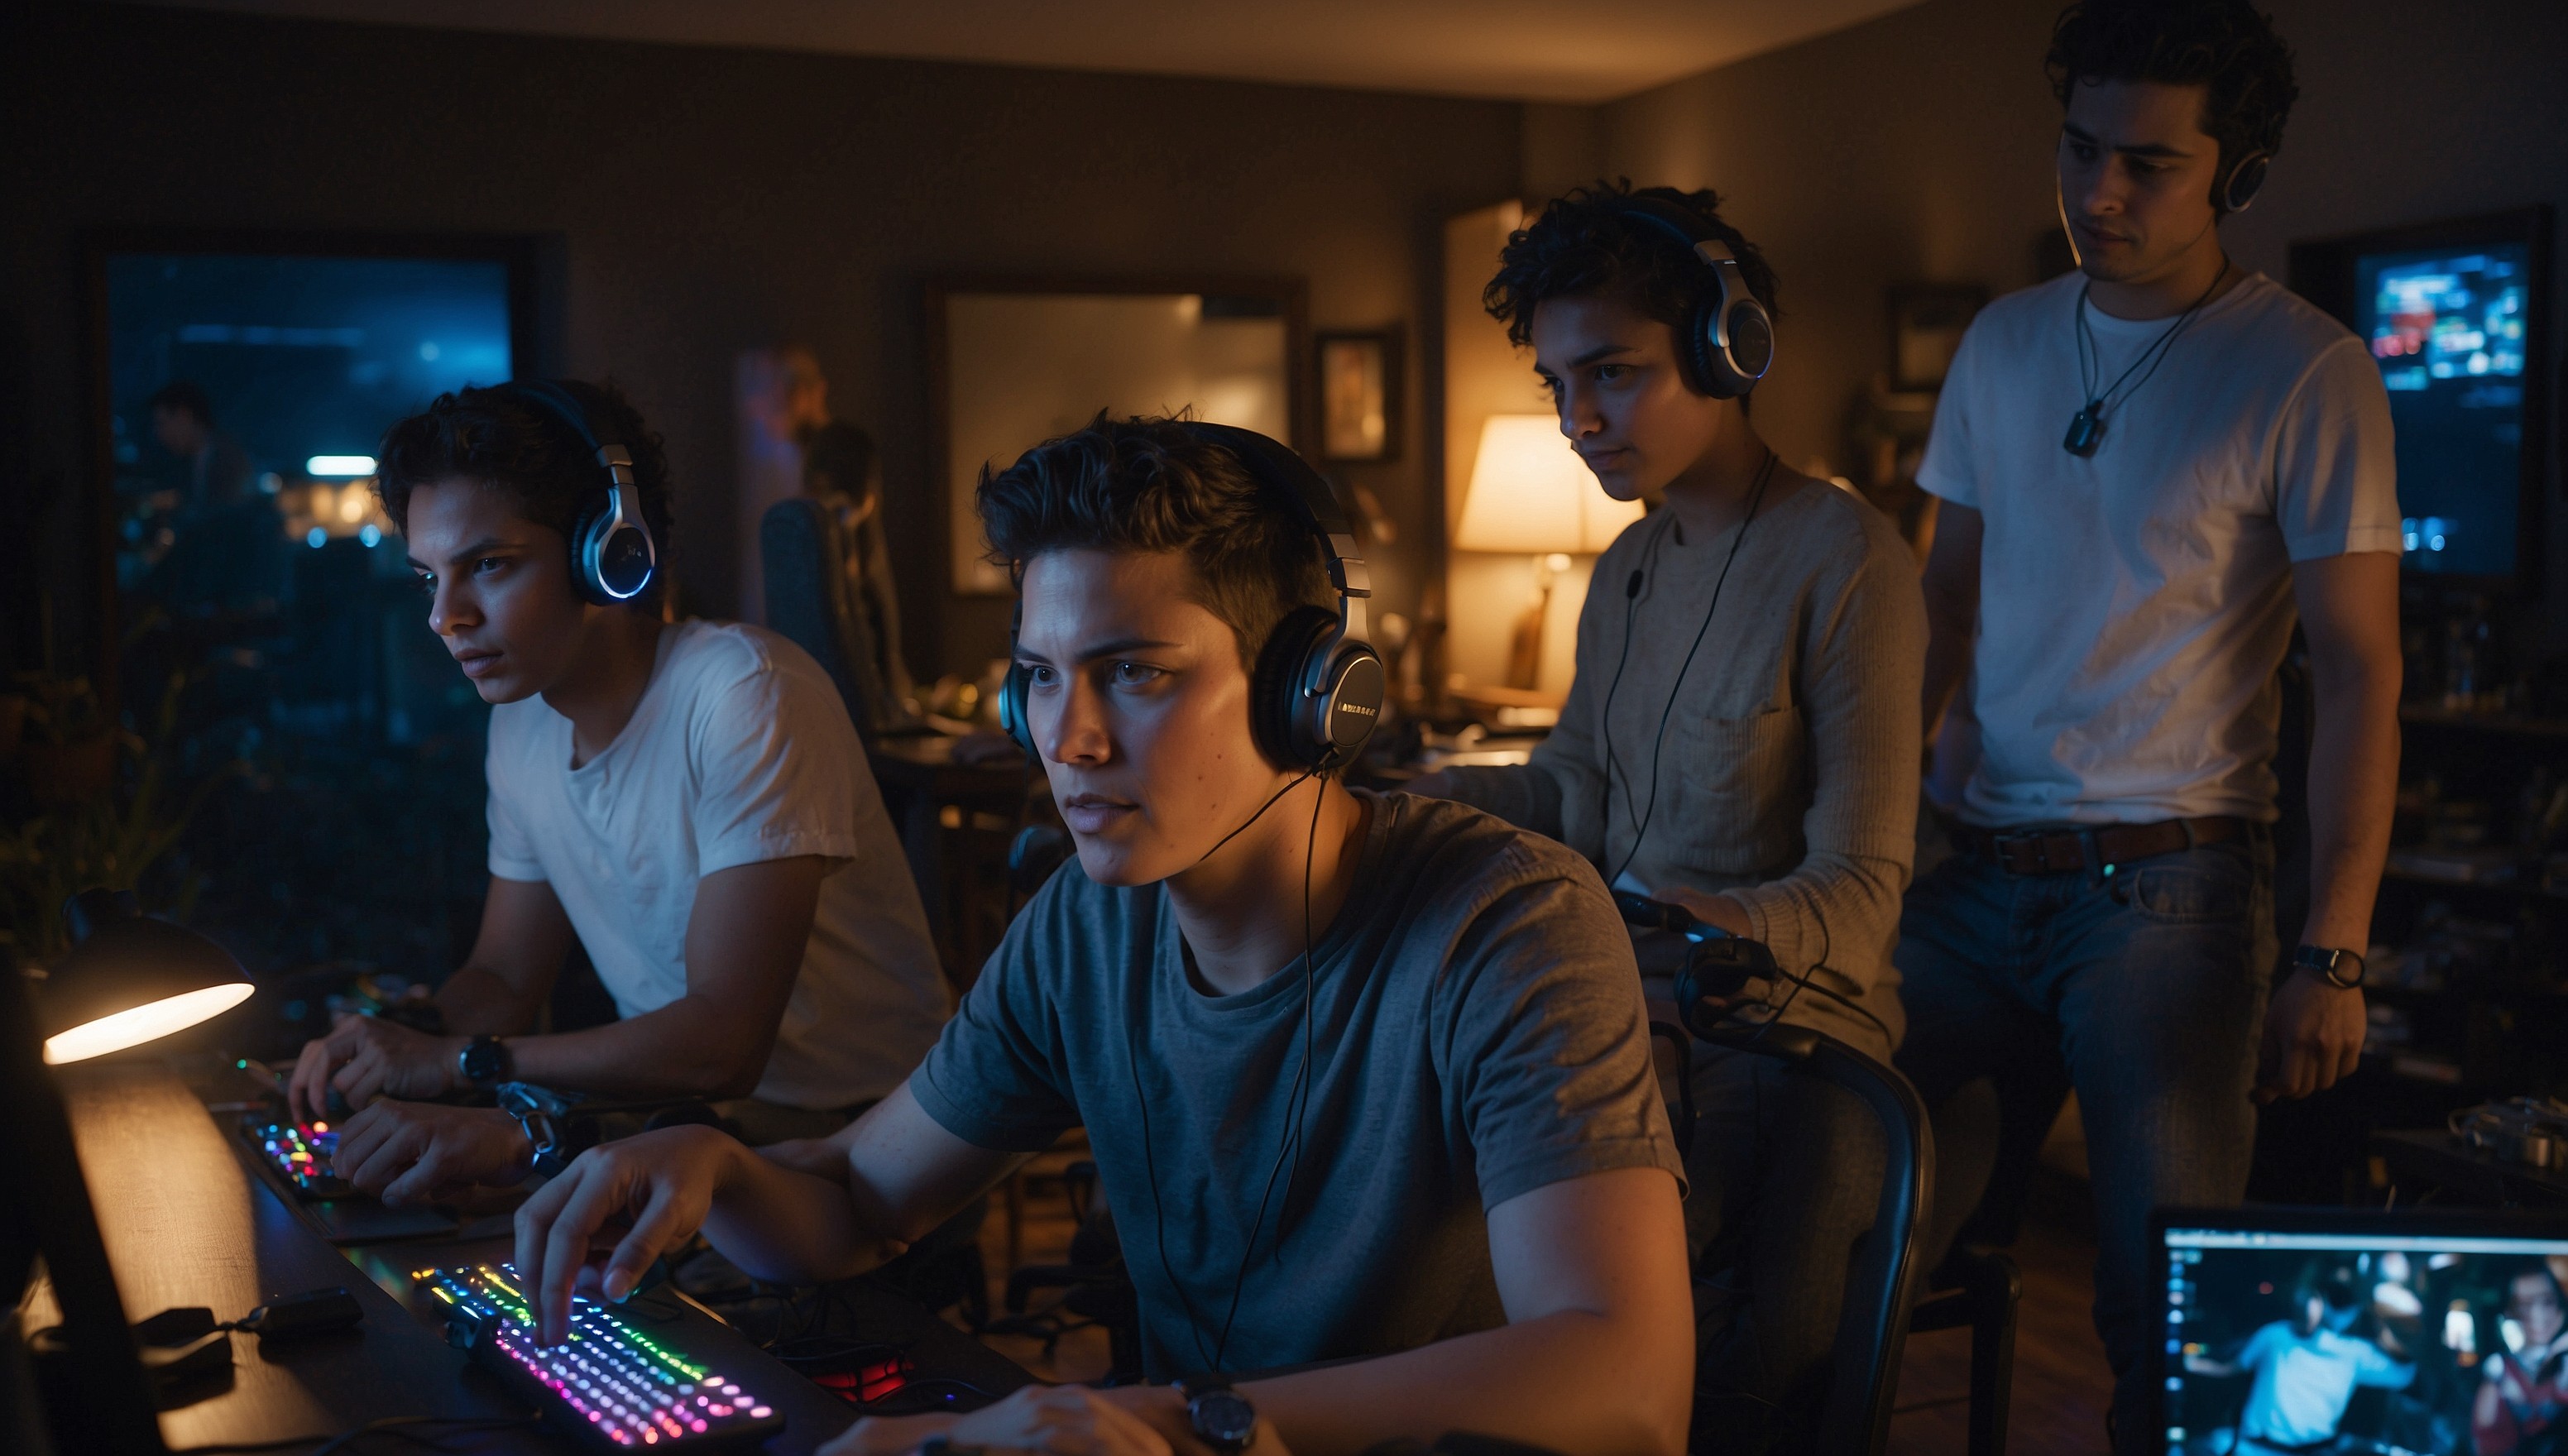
(513, 445)
(1592, 241)
(2225, 47)
(1151, 484)
(184, 396)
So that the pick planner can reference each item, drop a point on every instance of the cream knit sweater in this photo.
(1787, 775)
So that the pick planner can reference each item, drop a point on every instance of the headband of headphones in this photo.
(1727, 344)
(612, 556)
(1289, 478)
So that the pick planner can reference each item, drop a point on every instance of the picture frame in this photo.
(1926, 325)
(1359, 394)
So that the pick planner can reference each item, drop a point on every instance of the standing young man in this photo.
(688, 798)
(1367, 1078)
(2146, 465)
(1741, 739)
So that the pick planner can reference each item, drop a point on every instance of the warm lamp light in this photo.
(1531, 493)
(129, 979)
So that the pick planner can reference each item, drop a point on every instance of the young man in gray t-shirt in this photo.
(1367, 1078)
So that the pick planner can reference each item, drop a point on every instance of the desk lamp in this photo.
(130, 979)
(1531, 493)
(127, 981)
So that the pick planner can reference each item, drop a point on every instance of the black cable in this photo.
(1299, 1093)
(1658, 751)
(1132, 1065)
(2158, 348)
(1605, 719)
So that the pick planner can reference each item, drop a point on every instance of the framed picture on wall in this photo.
(1926, 323)
(1360, 376)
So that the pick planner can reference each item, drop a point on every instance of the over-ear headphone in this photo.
(1729, 343)
(1317, 692)
(612, 556)
(2245, 175)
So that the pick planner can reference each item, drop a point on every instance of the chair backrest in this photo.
(1872, 1327)
(804, 557)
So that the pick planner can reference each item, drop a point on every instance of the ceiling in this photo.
(1526, 50)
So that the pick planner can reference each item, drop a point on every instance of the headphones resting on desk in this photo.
(1727, 344)
(612, 557)
(1317, 692)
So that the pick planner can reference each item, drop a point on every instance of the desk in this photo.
(2434, 1156)
(920, 780)
(186, 1222)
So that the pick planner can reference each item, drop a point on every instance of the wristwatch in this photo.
(2340, 968)
(484, 1062)
(1222, 1417)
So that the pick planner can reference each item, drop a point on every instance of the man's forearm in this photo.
(787, 1226)
(476, 1002)
(690, 1048)
(1569, 1381)
(2353, 795)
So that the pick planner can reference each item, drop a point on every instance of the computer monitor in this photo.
(2455, 315)
(2353, 1331)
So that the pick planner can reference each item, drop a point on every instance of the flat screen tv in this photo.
(2456, 315)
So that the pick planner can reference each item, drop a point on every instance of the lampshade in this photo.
(1531, 493)
(129, 979)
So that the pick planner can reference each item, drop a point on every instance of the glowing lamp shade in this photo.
(129, 979)
(339, 466)
(1531, 493)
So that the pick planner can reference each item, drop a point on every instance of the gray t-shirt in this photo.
(1477, 1033)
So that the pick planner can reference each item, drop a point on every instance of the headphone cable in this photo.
(1605, 717)
(1658, 746)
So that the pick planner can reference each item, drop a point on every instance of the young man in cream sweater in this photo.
(1737, 741)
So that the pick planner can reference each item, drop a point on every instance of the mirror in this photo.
(1011, 364)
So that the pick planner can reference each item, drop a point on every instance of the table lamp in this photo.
(130, 979)
(1531, 493)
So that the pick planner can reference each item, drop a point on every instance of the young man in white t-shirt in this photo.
(2145, 468)
(688, 798)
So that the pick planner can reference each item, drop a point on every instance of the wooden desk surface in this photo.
(187, 1223)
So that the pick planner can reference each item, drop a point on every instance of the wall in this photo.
(1918, 146)
(702, 202)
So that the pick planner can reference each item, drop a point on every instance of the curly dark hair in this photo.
(1150, 484)
(1590, 241)
(513, 445)
(2225, 47)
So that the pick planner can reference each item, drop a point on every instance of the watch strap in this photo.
(2338, 967)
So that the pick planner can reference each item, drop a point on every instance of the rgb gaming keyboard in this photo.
(611, 1383)
(300, 1152)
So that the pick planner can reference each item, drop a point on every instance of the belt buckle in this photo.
(2006, 845)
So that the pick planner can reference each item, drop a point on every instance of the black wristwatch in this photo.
(2340, 968)
(484, 1062)
(1222, 1417)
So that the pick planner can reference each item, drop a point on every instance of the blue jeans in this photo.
(2145, 990)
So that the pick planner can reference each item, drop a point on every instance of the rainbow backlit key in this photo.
(301, 1153)
(615, 1386)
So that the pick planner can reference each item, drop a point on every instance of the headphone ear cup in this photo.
(2244, 179)
(1275, 699)
(591, 519)
(1012, 711)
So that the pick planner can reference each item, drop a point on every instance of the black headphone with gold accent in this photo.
(1317, 692)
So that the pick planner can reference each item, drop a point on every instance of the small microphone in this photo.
(1632, 587)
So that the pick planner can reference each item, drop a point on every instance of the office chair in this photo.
(803, 556)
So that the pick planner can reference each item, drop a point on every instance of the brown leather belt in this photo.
(2053, 853)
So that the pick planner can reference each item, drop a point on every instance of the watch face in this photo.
(482, 1061)
(1224, 1418)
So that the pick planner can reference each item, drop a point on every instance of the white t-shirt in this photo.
(2134, 604)
(739, 752)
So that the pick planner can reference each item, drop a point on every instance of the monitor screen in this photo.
(2447, 327)
(2363, 1341)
